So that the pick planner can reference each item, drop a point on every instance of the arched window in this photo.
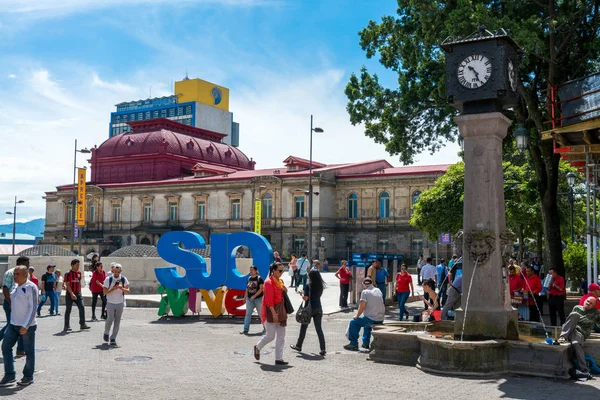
(415, 196)
(352, 206)
(267, 206)
(384, 205)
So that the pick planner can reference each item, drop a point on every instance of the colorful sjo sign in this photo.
(223, 272)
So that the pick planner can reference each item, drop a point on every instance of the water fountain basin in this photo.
(430, 347)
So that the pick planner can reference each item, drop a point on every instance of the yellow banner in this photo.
(81, 177)
(257, 216)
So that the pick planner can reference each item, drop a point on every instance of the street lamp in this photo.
(571, 182)
(74, 201)
(310, 190)
(14, 214)
(522, 137)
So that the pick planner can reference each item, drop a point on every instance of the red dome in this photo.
(159, 140)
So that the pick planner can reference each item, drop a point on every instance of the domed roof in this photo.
(165, 136)
(136, 250)
(47, 250)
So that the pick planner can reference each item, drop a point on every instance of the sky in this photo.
(64, 64)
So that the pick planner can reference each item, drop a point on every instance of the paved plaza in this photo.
(202, 357)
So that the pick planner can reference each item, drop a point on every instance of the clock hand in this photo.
(475, 72)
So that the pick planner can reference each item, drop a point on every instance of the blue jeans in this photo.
(402, 297)
(56, 302)
(383, 288)
(354, 330)
(250, 306)
(49, 295)
(301, 280)
(20, 347)
(11, 337)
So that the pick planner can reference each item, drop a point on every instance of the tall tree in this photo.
(560, 41)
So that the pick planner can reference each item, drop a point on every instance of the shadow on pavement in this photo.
(103, 346)
(513, 388)
(273, 368)
(310, 357)
(194, 319)
(10, 390)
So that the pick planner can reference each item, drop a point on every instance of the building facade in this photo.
(165, 176)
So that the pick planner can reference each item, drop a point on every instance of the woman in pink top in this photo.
(344, 275)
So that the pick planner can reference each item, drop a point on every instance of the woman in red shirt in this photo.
(404, 286)
(96, 283)
(274, 316)
(556, 297)
(344, 275)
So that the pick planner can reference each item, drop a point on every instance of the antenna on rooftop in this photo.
(150, 92)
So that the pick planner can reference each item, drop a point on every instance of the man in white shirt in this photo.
(23, 304)
(115, 287)
(303, 265)
(372, 309)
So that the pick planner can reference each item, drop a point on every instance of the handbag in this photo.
(289, 308)
(304, 313)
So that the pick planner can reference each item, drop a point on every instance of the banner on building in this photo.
(81, 176)
(257, 216)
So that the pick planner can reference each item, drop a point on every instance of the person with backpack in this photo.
(115, 287)
(48, 284)
(312, 294)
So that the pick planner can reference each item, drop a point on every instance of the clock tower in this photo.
(481, 71)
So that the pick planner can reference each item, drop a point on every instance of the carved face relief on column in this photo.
(480, 245)
(507, 238)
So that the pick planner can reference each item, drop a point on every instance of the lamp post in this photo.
(571, 182)
(310, 191)
(74, 201)
(14, 214)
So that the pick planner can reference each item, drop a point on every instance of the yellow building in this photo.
(202, 91)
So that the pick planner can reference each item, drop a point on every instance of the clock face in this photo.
(474, 71)
(512, 76)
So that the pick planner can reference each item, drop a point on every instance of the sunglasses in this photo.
(280, 270)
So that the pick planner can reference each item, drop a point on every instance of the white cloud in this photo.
(115, 86)
(12, 76)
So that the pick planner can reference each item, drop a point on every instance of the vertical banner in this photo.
(81, 177)
(257, 216)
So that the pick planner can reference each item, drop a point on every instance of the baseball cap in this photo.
(117, 265)
(31, 269)
(367, 281)
(593, 287)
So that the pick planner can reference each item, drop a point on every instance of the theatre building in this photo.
(163, 176)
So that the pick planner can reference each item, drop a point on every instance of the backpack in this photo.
(110, 281)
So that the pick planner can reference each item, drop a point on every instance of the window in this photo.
(384, 205)
(163, 113)
(415, 196)
(299, 243)
(353, 206)
(383, 243)
(147, 115)
(140, 116)
(350, 242)
(299, 207)
(173, 207)
(70, 214)
(155, 114)
(267, 206)
(201, 210)
(116, 213)
(417, 245)
(92, 213)
(179, 111)
(171, 112)
(147, 212)
(235, 209)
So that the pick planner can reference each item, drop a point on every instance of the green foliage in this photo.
(575, 256)
(440, 209)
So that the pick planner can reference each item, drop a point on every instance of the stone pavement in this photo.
(201, 357)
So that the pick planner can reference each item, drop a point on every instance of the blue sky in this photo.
(65, 63)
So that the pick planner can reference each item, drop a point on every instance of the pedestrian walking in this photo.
(312, 294)
(73, 285)
(58, 288)
(22, 325)
(293, 270)
(254, 297)
(344, 275)
(8, 285)
(48, 285)
(420, 264)
(274, 315)
(97, 289)
(115, 288)
(404, 287)
(371, 305)
(303, 265)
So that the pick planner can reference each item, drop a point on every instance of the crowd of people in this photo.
(25, 297)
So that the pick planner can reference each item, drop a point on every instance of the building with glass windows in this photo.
(164, 176)
(195, 102)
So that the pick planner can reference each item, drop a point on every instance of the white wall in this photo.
(214, 119)
(41, 262)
